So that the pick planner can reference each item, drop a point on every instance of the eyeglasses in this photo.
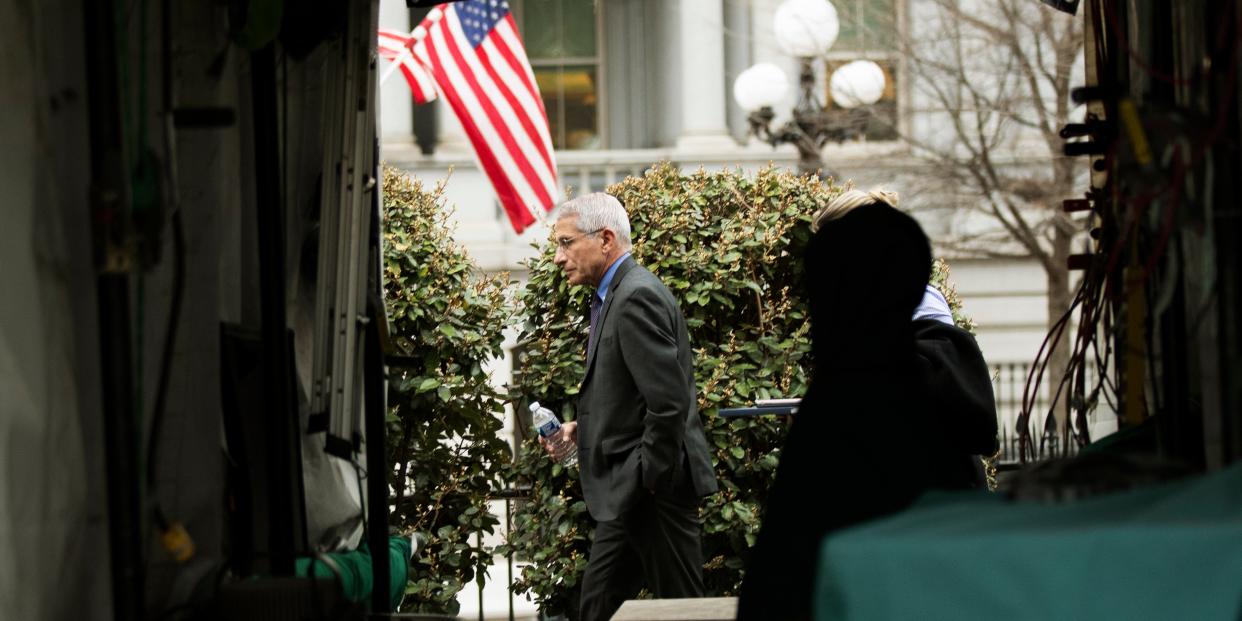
(565, 242)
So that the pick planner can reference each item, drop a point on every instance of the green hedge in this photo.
(729, 246)
(444, 415)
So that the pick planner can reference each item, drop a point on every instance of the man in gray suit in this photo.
(642, 454)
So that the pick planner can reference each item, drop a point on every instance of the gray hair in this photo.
(850, 200)
(598, 211)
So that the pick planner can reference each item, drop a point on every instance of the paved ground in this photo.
(702, 609)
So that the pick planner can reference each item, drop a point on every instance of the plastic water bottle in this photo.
(549, 427)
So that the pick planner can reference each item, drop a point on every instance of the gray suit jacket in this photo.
(638, 423)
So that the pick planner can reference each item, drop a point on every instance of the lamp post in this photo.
(806, 29)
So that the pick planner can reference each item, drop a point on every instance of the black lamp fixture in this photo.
(806, 29)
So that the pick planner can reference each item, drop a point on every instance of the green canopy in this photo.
(1172, 551)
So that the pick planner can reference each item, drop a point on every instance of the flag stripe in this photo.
(392, 46)
(504, 117)
(520, 104)
(474, 54)
(505, 179)
(472, 110)
(507, 34)
(483, 105)
(398, 40)
(509, 47)
(420, 83)
(502, 74)
(415, 81)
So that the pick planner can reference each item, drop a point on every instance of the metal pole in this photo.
(108, 196)
(807, 115)
(285, 526)
(478, 576)
(377, 472)
(508, 530)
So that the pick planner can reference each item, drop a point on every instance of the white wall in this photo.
(1008, 301)
(396, 122)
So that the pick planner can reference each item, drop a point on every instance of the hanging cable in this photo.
(170, 337)
(173, 536)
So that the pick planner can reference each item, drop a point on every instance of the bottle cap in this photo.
(534, 406)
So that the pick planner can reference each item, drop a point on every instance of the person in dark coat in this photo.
(643, 458)
(895, 406)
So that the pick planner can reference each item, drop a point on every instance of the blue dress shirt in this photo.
(934, 306)
(602, 289)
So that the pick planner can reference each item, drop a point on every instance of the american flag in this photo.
(395, 47)
(473, 51)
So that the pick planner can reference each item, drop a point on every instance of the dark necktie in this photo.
(596, 305)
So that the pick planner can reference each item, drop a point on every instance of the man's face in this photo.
(582, 256)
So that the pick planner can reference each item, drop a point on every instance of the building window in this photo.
(869, 29)
(866, 25)
(562, 42)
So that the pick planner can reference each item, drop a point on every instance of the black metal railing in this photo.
(1009, 380)
(509, 495)
(1046, 438)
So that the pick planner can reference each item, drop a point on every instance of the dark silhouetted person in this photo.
(895, 406)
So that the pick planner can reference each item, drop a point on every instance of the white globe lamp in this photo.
(859, 83)
(806, 28)
(763, 85)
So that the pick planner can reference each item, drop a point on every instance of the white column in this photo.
(396, 119)
(452, 136)
(737, 58)
(701, 41)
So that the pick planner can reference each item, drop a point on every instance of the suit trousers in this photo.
(655, 544)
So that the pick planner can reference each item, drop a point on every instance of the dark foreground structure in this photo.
(191, 346)
(191, 338)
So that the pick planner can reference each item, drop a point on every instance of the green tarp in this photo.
(355, 570)
(1172, 551)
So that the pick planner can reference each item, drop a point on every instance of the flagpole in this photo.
(396, 62)
(407, 52)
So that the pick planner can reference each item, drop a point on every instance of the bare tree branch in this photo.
(983, 103)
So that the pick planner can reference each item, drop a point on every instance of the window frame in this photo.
(890, 55)
(518, 8)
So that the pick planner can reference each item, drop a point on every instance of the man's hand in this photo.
(569, 433)
(559, 445)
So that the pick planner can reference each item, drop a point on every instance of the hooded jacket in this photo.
(895, 407)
